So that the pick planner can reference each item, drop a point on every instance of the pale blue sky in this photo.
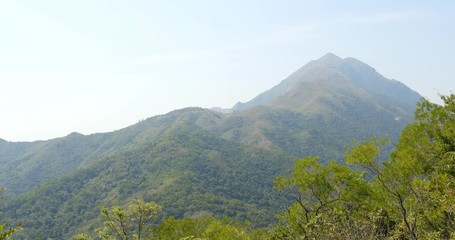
(96, 66)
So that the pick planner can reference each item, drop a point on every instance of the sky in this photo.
(92, 66)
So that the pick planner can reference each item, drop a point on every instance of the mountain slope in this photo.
(352, 70)
(196, 161)
(24, 166)
(321, 107)
(187, 170)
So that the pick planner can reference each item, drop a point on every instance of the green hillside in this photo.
(26, 165)
(197, 161)
(188, 170)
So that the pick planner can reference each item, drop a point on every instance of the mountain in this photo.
(26, 165)
(197, 161)
(329, 101)
(340, 71)
(186, 169)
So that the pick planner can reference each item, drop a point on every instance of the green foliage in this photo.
(366, 153)
(417, 185)
(329, 201)
(137, 221)
(132, 223)
(82, 236)
(187, 171)
(203, 228)
(424, 161)
(6, 234)
(411, 196)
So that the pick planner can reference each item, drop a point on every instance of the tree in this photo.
(135, 222)
(328, 200)
(7, 234)
(392, 182)
(417, 185)
(204, 228)
(429, 144)
(409, 196)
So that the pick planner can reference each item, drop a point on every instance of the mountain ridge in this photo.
(195, 160)
(319, 86)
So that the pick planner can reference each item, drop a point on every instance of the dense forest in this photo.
(409, 195)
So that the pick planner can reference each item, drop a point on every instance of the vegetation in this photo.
(188, 171)
(6, 234)
(329, 199)
(204, 175)
(124, 224)
(133, 223)
(315, 111)
(410, 196)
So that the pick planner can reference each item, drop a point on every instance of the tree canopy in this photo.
(409, 196)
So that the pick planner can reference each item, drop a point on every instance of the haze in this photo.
(95, 66)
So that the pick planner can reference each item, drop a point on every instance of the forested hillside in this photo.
(26, 165)
(198, 162)
(188, 171)
(410, 195)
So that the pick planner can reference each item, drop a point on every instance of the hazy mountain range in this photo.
(197, 161)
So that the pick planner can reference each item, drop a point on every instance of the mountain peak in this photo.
(329, 60)
(339, 71)
(330, 57)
